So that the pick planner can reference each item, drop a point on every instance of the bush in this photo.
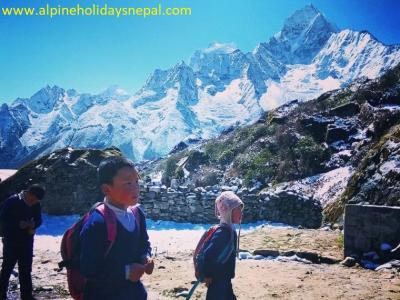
(310, 156)
(213, 149)
(169, 170)
(255, 165)
(226, 157)
(210, 178)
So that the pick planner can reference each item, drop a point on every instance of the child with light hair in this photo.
(220, 251)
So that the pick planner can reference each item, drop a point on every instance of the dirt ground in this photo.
(255, 279)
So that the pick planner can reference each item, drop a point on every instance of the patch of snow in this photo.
(327, 187)
(390, 166)
(293, 258)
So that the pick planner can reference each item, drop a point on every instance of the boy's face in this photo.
(125, 187)
(31, 199)
(237, 215)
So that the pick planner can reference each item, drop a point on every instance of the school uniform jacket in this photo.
(216, 266)
(106, 275)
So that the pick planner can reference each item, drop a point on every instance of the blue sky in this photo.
(90, 54)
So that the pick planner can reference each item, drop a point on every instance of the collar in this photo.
(115, 208)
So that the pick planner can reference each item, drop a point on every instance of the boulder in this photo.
(69, 176)
(345, 110)
(348, 262)
(341, 130)
(317, 125)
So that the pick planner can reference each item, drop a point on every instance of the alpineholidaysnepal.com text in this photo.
(96, 10)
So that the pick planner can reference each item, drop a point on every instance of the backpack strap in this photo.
(111, 224)
(138, 217)
(228, 249)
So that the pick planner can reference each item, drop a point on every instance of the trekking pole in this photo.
(238, 240)
(192, 289)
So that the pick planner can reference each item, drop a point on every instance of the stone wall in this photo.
(197, 206)
(366, 227)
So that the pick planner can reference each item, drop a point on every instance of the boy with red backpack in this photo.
(215, 255)
(112, 267)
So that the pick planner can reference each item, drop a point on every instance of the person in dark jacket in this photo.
(220, 251)
(116, 275)
(20, 215)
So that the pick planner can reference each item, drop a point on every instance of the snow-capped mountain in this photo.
(218, 87)
(302, 37)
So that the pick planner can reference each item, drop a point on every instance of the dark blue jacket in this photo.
(222, 239)
(106, 276)
(12, 211)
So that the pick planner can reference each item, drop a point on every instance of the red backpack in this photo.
(198, 255)
(71, 246)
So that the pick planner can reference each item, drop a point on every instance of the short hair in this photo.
(37, 190)
(110, 166)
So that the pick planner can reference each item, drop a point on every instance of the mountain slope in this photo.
(341, 147)
(218, 88)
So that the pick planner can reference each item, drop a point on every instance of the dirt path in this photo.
(255, 279)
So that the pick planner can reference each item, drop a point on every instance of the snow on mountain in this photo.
(219, 87)
(350, 54)
(302, 36)
(346, 56)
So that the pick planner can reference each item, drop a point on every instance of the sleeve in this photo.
(94, 266)
(214, 248)
(37, 215)
(144, 237)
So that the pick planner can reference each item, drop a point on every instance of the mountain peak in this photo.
(302, 16)
(303, 19)
(303, 35)
(45, 99)
(181, 65)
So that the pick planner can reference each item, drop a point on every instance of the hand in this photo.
(135, 272)
(23, 224)
(149, 266)
(207, 281)
(31, 224)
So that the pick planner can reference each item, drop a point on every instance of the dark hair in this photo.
(37, 190)
(110, 166)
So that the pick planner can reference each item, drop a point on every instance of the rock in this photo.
(317, 126)
(267, 252)
(244, 255)
(389, 265)
(348, 262)
(179, 147)
(44, 289)
(345, 110)
(326, 228)
(174, 183)
(340, 130)
(69, 176)
(155, 188)
(336, 226)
